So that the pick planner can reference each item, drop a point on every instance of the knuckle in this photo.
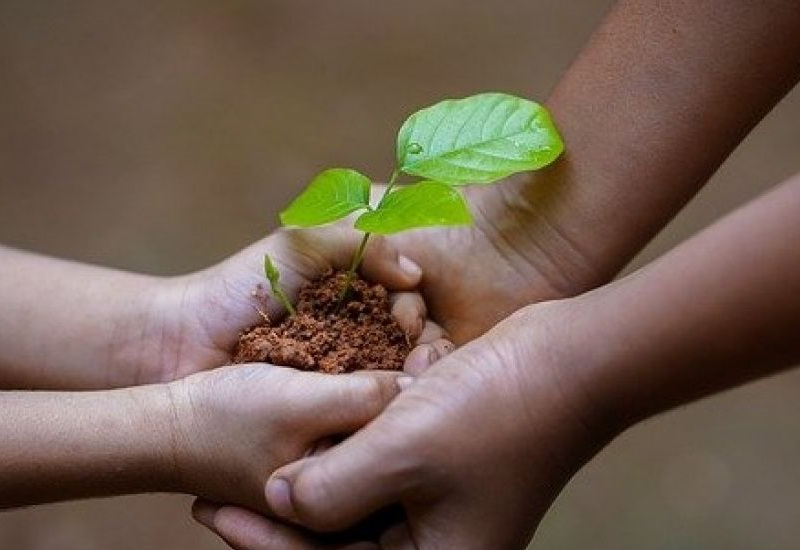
(376, 392)
(365, 399)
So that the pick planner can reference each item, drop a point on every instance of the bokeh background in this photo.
(163, 135)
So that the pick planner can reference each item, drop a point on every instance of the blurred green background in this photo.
(161, 136)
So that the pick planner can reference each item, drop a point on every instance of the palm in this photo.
(203, 314)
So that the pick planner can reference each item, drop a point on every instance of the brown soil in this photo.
(328, 336)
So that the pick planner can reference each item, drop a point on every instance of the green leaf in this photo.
(424, 204)
(331, 195)
(270, 270)
(479, 139)
(273, 276)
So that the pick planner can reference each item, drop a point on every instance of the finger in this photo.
(245, 530)
(443, 347)
(398, 537)
(408, 309)
(204, 511)
(322, 445)
(350, 401)
(384, 264)
(423, 356)
(336, 490)
(431, 331)
(242, 529)
(419, 359)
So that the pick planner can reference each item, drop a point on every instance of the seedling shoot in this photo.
(476, 140)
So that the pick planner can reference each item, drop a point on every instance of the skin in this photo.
(216, 434)
(69, 326)
(648, 114)
(154, 421)
(478, 447)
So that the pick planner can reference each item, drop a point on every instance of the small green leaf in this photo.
(424, 204)
(331, 195)
(270, 270)
(273, 276)
(479, 139)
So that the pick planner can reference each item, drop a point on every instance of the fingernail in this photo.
(443, 347)
(404, 382)
(279, 498)
(204, 513)
(408, 266)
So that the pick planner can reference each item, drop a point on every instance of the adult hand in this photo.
(518, 252)
(475, 450)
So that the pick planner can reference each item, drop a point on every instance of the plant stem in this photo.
(351, 273)
(274, 276)
(389, 185)
(286, 303)
(284, 299)
(359, 255)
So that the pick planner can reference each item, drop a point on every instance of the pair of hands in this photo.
(481, 422)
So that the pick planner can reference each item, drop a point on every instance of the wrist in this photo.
(155, 443)
(144, 346)
(70, 445)
(600, 361)
(565, 362)
(189, 441)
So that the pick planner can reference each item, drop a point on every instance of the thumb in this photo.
(350, 401)
(343, 486)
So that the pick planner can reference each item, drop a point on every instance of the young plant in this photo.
(273, 276)
(476, 140)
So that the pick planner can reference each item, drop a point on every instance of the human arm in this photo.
(657, 99)
(217, 434)
(59, 321)
(66, 325)
(480, 445)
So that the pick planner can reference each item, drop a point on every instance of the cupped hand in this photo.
(521, 250)
(475, 451)
(196, 319)
(233, 426)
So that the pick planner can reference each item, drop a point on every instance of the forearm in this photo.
(59, 446)
(65, 325)
(717, 311)
(655, 102)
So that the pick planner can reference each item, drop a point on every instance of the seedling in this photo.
(477, 140)
(273, 276)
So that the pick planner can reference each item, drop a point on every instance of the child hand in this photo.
(201, 315)
(235, 425)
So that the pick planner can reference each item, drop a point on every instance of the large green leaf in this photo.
(479, 139)
(331, 195)
(423, 204)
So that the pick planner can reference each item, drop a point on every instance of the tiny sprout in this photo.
(273, 276)
(476, 140)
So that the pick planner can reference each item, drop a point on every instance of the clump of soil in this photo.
(330, 336)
